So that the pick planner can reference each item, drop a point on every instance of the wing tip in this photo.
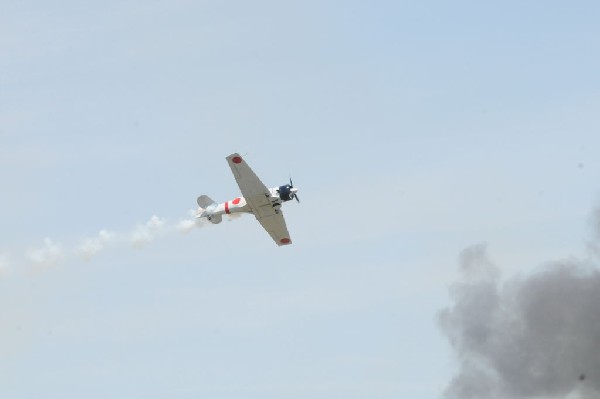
(233, 157)
(284, 241)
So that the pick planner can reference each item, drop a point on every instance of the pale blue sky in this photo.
(413, 130)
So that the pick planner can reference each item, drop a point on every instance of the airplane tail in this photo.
(206, 205)
(204, 201)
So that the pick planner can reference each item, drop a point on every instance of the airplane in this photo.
(264, 203)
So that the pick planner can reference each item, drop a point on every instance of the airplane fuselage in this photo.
(215, 212)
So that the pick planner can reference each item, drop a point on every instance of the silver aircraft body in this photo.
(264, 203)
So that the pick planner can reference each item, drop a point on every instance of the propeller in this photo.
(295, 193)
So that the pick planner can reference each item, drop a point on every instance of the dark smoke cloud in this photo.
(535, 336)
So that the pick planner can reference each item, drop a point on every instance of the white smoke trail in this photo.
(91, 246)
(48, 255)
(52, 253)
(187, 225)
(144, 234)
(4, 264)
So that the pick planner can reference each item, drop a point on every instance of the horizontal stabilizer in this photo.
(215, 219)
(204, 201)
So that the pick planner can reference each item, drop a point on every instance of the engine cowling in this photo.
(285, 192)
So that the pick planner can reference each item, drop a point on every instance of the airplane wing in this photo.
(275, 226)
(257, 197)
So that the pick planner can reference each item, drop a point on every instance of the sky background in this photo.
(412, 129)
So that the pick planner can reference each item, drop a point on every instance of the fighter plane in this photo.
(264, 203)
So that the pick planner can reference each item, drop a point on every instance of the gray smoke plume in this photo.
(535, 336)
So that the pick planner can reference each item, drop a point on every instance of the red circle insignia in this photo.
(236, 159)
(285, 241)
(236, 201)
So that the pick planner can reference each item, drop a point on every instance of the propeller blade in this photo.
(291, 184)
(297, 199)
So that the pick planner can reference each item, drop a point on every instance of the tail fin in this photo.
(204, 201)
(207, 205)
